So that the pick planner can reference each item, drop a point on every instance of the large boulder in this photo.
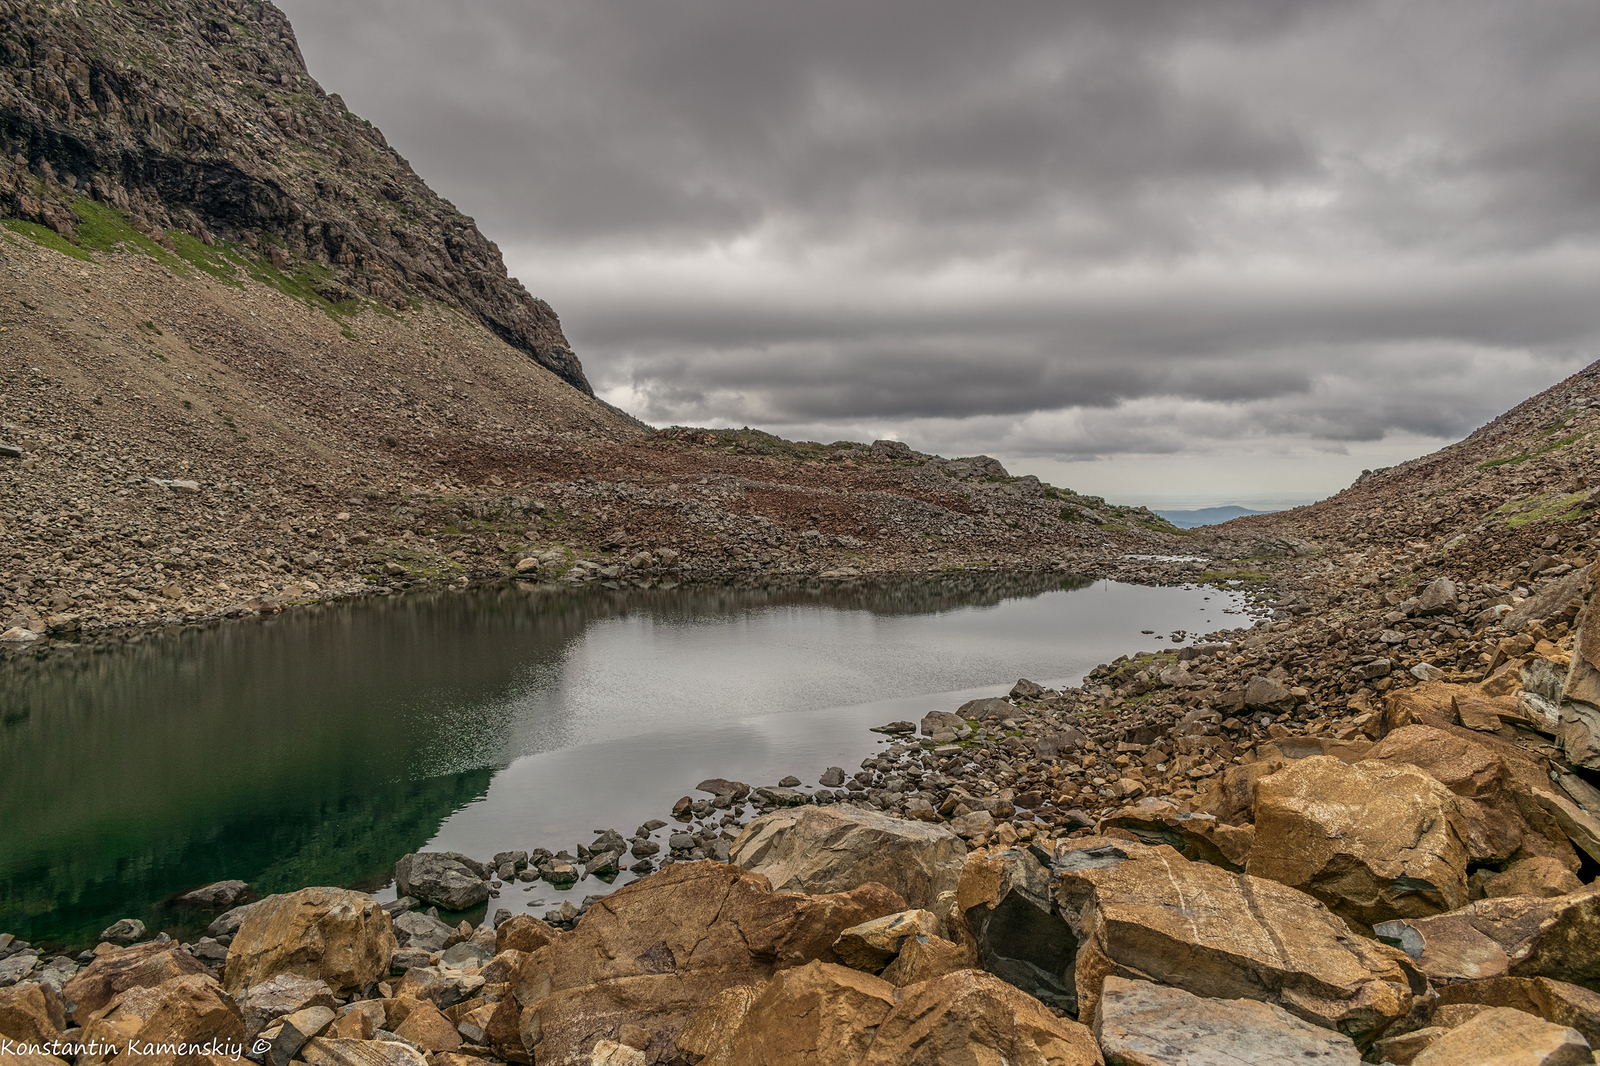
(1462, 764)
(1516, 936)
(651, 953)
(342, 938)
(523, 932)
(813, 1014)
(834, 849)
(1373, 841)
(443, 879)
(1154, 1025)
(423, 932)
(140, 966)
(1199, 837)
(1148, 913)
(176, 1014)
(1504, 1037)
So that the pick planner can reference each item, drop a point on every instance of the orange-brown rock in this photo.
(503, 1035)
(1536, 876)
(337, 936)
(428, 1029)
(713, 1027)
(1462, 765)
(167, 1020)
(873, 945)
(651, 953)
(810, 1015)
(1431, 703)
(834, 849)
(1230, 798)
(324, 1051)
(922, 958)
(1554, 1001)
(1004, 902)
(1519, 936)
(31, 1014)
(116, 971)
(1149, 914)
(523, 932)
(971, 1018)
(1505, 1037)
(1197, 837)
(25, 1056)
(1373, 841)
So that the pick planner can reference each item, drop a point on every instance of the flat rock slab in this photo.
(1142, 1024)
(1501, 1036)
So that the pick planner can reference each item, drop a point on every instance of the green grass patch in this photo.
(1558, 509)
(45, 237)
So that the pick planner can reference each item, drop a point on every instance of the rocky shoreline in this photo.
(1391, 778)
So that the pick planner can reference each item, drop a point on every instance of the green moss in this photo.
(1558, 509)
(1071, 514)
(46, 238)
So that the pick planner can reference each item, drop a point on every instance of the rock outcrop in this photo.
(333, 935)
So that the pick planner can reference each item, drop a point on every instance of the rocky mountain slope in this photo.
(197, 122)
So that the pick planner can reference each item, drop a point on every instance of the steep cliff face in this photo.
(196, 120)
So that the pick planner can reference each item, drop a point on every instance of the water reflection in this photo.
(316, 748)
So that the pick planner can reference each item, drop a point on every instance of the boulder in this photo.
(1230, 797)
(1373, 841)
(288, 1034)
(942, 721)
(813, 1014)
(216, 894)
(284, 994)
(1144, 1024)
(971, 1017)
(1579, 826)
(1005, 901)
(1462, 765)
(523, 932)
(873, 945)
(1554, 1001)
(714, 1025)
(430, 1030)
(181, 1011)
(1438, 598)
(1148, 913)
(1198, 837)
(123, 931)
(983, 708)
(1519, 936)
(31, 1014)
(1265, 694)
(651, 953)
(1534, 876)
(443, 879)
(423, 932)
(1504, 1037)
(108, 975)
(834, 849)
(333, 935)
(924, 957)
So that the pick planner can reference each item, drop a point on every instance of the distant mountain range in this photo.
(1206, 516)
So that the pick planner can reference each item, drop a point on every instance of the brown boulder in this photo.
(1431, 703)
(1505, 1037)
(922, 958)
(1004, 900)
(334, 935)
(1520, 936)
(651, 953)
(1537, 876)
(874, 944)
(1231, 796)
(324, 1051)
(1143, 1024)
(1373, 841)
(25, 1056)
(119, 969)
(428, 1029)
(1554, 1001)
(971, 1018)
(834, 849)
(818, 1014)
(31, 1014)
(1458, 763)
(183, 1010)
(1197, 837)
(523, 932)
(1148, 913)
(711, 1030)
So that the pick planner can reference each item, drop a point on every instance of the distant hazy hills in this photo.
(1206, 516)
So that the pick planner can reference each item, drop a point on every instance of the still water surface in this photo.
(320, 746)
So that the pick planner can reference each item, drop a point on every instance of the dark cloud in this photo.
(1046, 228)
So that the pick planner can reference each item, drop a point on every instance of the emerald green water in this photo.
(318, 747)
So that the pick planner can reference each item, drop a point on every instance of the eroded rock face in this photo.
(971, 1017)
(1005, 900)
(284, 994)
(31, 1014)
(1153, 1025)
(811, 1014)
(653, 952)
(1373, 841)
(834, 849)
(333, 935)
(1148, 913)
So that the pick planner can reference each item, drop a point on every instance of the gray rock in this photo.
(517, 858)
(397, 907)
(1438, 598)
(1026, 690)
(1161, 1026)
(125, 931)
(1369, 671)
(55, 973)
(289, 1034)
(442, 879)
(781, 796)
(1061, 743)
(1263, 693)
(985, 707)
(464, 954)
(209, 949)
(832, 777)
(16, 967)
(895, 728)
(216, 894)
(408, 959)
(228, 922)
(283, 994)
(384, 1049)
(718, 786)
(943, 721)
(423, 932)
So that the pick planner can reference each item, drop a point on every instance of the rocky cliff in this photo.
(196, 121)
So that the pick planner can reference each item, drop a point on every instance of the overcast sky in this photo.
(1179, 252)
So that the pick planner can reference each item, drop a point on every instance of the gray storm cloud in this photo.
(1045, 229)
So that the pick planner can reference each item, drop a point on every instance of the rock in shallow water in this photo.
(441, 878)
